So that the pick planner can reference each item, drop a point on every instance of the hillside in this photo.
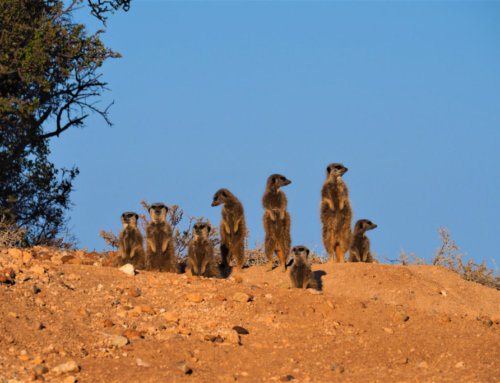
(64, 318)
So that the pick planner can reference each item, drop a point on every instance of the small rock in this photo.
(70, 366)
(40, 369)
(403, 361)
(443, 293)
(128, 269)
(36, 290)
(388, 330)
(338, 368)
(83, 312)
(445, 318)
(70, 379)
(286, 378)
(240, 330)
(460, 365)
(37, 269)
(184, 368)
(196, 298)
(242, 297)
(220, 297)
(400, 316)
(142, 363)
(107, 323)
(171, 317)
(146, 309)
(238, 279)
(133, 291)
(132, 334)
(423, 365)
(120, 341)
(213, 338)
(485, 320)
(67, 258)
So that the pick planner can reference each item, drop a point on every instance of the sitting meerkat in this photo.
(201, 260)
(276, 221)
(360, 246)
(300, 272)
(130, 242)
(160, 254)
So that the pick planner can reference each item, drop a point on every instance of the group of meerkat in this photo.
(336, 217)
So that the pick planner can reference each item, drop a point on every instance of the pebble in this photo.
(37, 269)
(107, 323)
(338, 368)
(70, 366)
(400, 316)
(128, 269)
(388, 330)
(142, 363)
(234, 337)
(40, 369)
(133, 291)
(242, 297)
(171, 317)
(240, 330)
(196, 298)
(184, 368)
(460, 365)
(132, 334)
(423, 365)
(120, 341)
(70, 379)
(445, 318)
(286, 378)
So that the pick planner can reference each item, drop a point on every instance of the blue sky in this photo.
(223, 94)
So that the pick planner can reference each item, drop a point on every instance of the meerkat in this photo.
(336, 214)
(276, 221)
(232, 228)
(201, 260)
(130, 242)
(301, 273)
(360, 246)
(160, 254)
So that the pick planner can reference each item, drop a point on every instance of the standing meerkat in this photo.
(336, 214)
(130, 242)
(232, 228)
(360, 246)
(276, 221)
(160, 254)
(301, 273)
(201, 260)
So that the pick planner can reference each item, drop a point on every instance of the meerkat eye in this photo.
(338, 167)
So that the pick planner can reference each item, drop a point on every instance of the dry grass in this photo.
(10, 234)
(448, 255)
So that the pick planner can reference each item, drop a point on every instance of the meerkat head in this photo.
(301, 252)
(158, 212)
(275, 181)
(201, 230)
(221, 196)
(129, 218)
(363, 225)
(335, 170)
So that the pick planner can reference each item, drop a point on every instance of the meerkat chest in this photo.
(158, 229)
(275, 200)
(361, 242)
(336, 192)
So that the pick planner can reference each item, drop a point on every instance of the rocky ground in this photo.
(66, 317)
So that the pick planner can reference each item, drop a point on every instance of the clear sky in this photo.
(223, 94)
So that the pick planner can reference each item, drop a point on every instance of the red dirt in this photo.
(356, 323)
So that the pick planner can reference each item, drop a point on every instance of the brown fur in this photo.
(160, 253)
(276, 220)
(130, 242)
(201, 260)
(360, 246)
(336, 214)
(233, 228)
(301, 274)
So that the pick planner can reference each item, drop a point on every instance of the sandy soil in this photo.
(63, 316)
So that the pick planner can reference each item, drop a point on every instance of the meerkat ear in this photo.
(307, 252)
(209, 228)
(136, 216)
(166, 209)
(328, 169)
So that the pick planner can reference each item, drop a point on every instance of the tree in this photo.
(49, 83)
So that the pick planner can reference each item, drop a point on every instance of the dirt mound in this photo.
(65, 317)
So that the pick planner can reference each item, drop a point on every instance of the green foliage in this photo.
(48, 83)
